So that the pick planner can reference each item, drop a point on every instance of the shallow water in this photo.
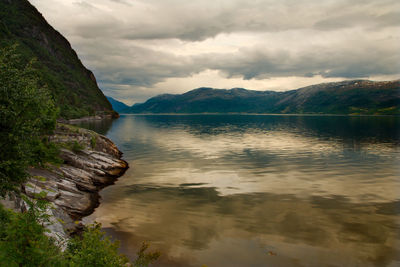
(246, 190)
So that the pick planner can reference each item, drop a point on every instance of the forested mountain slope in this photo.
(347, 97)
(72, 86)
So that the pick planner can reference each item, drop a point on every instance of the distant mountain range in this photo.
(347, 97)
(118, 106)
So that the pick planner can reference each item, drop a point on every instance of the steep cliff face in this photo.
(73, 87)
(90, 162)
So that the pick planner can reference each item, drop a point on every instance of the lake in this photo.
(256, 190)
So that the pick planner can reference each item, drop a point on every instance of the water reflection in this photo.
(257, 190)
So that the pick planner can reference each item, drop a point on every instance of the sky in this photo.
(141, 48)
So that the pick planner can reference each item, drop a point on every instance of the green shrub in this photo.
(77, 147)
(145, 258)
(93, 141)
(94, 249)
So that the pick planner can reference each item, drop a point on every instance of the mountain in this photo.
(73, 87)
(118, 106)
(347, 97)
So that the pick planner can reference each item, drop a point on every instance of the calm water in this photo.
(257, 190)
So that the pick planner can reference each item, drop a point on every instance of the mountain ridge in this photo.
(73, 87)
(345, 97)
(117, 105)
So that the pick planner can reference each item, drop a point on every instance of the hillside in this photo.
(347, 97)
(73, 87)
(118, 106)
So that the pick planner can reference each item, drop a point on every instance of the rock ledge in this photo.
(90, 162)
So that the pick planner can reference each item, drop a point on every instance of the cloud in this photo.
(142, 46)
(199, 20)
(351, 58)
(135, 65)
(356, 57)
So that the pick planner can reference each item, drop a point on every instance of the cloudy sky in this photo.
(141, 48)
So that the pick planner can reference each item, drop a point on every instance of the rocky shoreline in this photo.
(98, 117)
(90, 162)
(89, 118)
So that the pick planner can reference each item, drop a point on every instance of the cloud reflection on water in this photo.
(266, 157)
(191, 221)
(223, 191)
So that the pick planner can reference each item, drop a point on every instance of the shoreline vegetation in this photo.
(50, 176)
(51, 173)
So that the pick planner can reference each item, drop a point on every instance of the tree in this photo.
(27, 114)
